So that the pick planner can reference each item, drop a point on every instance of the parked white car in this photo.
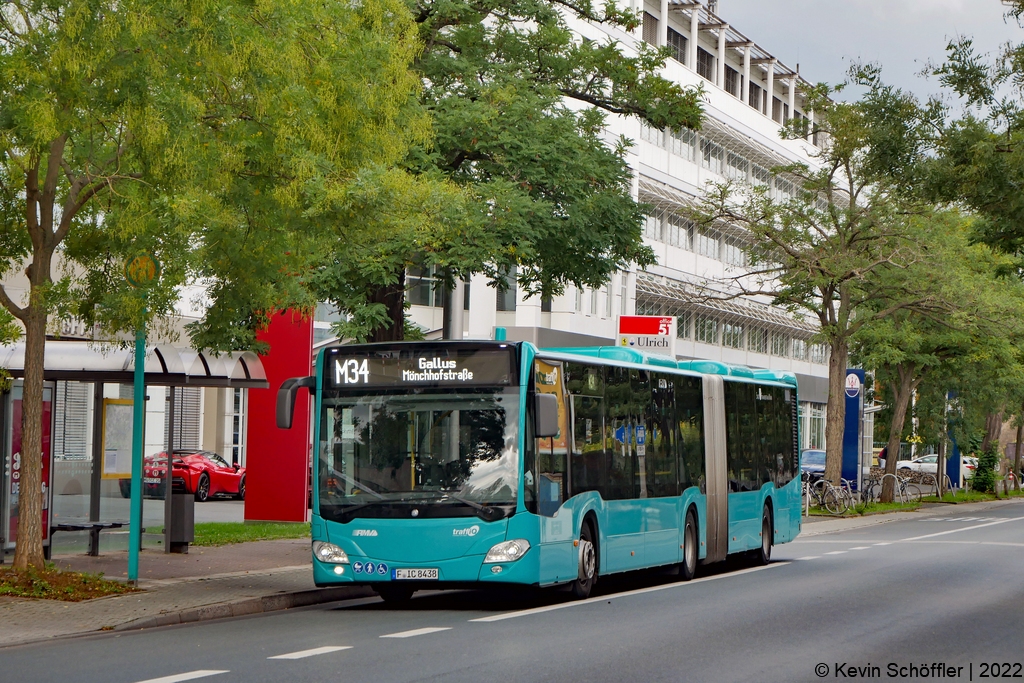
(930, 465)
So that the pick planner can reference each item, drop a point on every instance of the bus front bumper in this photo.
(462, 570)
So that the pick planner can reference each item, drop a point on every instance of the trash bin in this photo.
(183, 522)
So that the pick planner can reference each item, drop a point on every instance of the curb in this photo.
(240, 608)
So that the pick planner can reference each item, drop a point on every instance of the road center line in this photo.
(188, 676)
(624, 594)
(836, 552)
(886, 543)
(966, 528)
(861, 547)
(301, 654)
(418, 632)
(809, 557)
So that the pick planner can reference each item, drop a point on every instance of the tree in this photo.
(518, 105)
(211, 134)
(822, 252)
(971, 320)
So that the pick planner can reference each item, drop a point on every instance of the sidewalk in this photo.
(208, 583)
(821, 524)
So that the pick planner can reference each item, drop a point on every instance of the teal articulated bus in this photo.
(448, 464)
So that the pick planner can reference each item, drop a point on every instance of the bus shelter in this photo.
(87, 442)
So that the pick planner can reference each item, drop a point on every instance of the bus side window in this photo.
(551, 479)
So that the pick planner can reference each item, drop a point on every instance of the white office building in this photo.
(749, 94)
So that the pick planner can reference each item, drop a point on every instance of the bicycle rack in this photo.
(903, 498)
(935, 481)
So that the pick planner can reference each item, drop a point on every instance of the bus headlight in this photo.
(329, 553)
(507, 551)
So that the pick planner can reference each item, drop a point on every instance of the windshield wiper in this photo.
(488, 513)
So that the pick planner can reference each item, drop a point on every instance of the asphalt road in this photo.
(889, 601)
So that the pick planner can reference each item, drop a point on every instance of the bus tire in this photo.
(763, 555)
(394, 595)
(688, 567)
(586, 563)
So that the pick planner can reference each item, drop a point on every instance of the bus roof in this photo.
(706, 367)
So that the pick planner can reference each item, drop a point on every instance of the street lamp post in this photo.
(141, 271)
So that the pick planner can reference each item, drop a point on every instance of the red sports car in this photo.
(201, 473)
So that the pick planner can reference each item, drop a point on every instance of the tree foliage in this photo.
(829, 250)
(518, 104)
(216, 135)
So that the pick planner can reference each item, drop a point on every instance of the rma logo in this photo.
(364, 532)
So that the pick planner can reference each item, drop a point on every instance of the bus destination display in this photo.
(421, 368)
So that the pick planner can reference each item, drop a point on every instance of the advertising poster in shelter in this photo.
(15, 491)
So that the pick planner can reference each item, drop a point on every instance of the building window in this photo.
(705, 329)
(650, 29)
(819, 353)
(676, 44)
(623, 292)
(757, 341)
(684, 144)
(678, 231)
(608, 300)
(579, 300)
(816, 426)
(707, 243)
(732, 252)
(705, 64)
(506, 300)
(777, 111)
(238, 427)
(655, 136)
(423, 287)
(648, 308)
(545, 303)
(732, 335)
(799, 349)
(760, 176)
(732, 81)
(784, 189)
(593, 302)
(736, 167)
(712, 156)
(754, 96)
(652, 225)
(683, 325)
(780, 344)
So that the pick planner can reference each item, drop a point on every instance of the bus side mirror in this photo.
(286, 399)
(545, 411)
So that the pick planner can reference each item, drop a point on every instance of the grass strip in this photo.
(53, 584)
(226, 533)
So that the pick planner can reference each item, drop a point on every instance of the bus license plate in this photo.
(416, 574)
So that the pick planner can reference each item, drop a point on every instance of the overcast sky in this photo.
(824, 36)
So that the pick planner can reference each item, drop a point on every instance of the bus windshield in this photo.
(446, 453)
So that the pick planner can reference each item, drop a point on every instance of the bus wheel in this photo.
(764, 555)
(587, 576)
(394, 595)
(689, 566)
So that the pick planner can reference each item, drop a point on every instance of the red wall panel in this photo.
(277, 460)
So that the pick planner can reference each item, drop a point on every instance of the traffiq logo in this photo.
(469, 531)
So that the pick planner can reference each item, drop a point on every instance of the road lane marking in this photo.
(418, 632)
(836, 552)
(301, 654)
(862, 547)
(188, 676)
(809, 557)
(886, 543)
(966, 528)
(615, 596)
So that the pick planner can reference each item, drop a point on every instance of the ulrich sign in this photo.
(651, 333)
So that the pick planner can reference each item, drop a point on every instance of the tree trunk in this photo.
(902, 391)
(29, 545)
(835, 419)
(993, 428)
(393, 297)
(1016, 455)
